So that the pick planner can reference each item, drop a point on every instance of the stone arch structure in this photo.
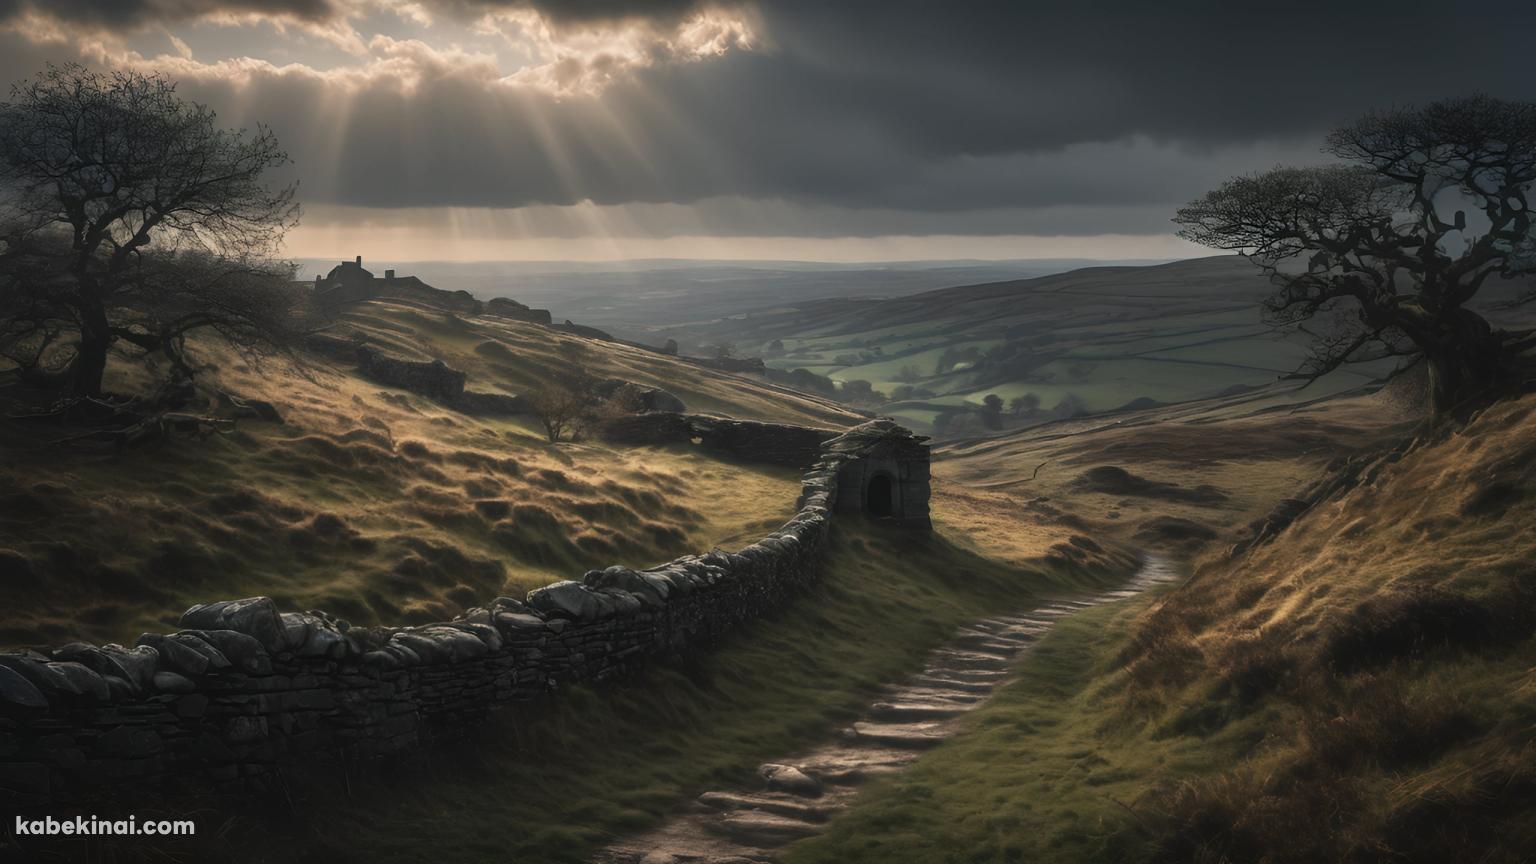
(888, 479)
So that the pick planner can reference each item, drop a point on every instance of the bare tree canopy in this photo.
(129, 214)
(561, 409)
(1386, 251)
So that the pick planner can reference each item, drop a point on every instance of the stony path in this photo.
(795, 798)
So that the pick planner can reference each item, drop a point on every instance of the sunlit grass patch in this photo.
(373, 503)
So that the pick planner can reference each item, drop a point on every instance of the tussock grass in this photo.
(1178, 476)
(1360, 689)
(1043, 771)
(375, 504)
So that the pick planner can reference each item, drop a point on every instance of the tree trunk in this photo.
(90, 363)
(1462, 369)
(1446, 377)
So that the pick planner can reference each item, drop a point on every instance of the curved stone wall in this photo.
(217, 706)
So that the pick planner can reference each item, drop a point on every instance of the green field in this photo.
(1090, 340)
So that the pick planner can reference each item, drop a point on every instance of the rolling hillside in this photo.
(1087, 341)
(369, 501)
(644, 300)
(1182, 475)
(1355, 687)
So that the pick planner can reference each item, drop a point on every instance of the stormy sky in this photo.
(810, 129)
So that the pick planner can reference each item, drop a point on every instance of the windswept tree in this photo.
(1380, 256)
(250, 304)
(563, 410)
(127, 213)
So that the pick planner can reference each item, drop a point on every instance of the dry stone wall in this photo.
(773, 443)
(435, 380)
(220, 705)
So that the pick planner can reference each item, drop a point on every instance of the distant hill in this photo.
(1087, 341)
(651, 300)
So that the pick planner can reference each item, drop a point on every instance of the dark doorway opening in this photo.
(879, 498)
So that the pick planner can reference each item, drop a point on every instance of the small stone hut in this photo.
(890, 479)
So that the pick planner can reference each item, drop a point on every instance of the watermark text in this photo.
(90, 826)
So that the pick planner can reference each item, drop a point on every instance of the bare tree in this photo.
(561, 409)
(32, 321)
(129, 214)
(251, 305)
(1380, 257)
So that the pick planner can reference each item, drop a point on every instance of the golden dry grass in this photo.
(1249, 459)
(998, 526)
(508, 356)
(1362, 688)
(1451, 517)
(375, 504)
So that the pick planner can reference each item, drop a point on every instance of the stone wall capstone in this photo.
(243, 687)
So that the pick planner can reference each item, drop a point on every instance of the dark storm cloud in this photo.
(139, 13)
(984, 78)
(896, 105)
(585, 11)
(135, 13)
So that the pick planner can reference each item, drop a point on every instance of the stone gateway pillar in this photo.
(888, 479)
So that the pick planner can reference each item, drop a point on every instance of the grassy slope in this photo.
(1253, 450)
(1042, 772)
(1360, 689)
(501, 355)
(551, 783)
(372, 503)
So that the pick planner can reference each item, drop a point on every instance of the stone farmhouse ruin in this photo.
(350, 282)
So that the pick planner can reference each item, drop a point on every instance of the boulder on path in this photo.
(788, 778)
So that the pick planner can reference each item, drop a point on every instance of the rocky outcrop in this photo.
(434, 379)
(638, 397)
(582, 330)
(243, 687)
(505, 307)
(437, 381)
